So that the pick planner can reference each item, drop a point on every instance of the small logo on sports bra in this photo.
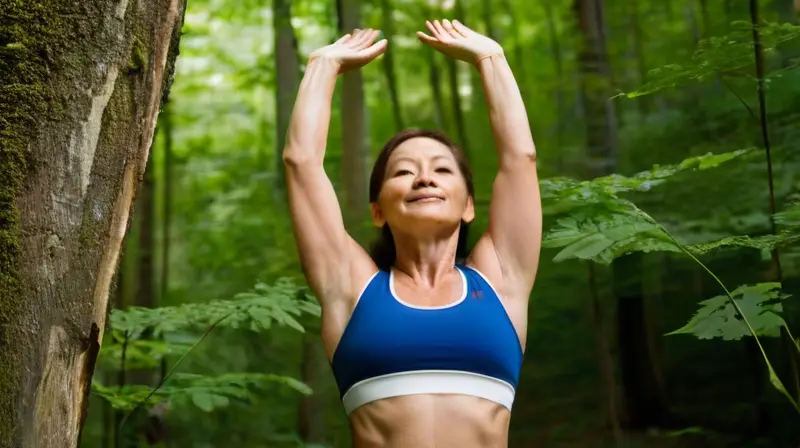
(477, 294)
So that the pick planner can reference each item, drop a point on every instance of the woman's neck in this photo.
(426, 261)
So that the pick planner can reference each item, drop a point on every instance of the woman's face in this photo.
(423, 190)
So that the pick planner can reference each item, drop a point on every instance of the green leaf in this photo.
(256, 310)
(562, 195)
(717, 318)
(723, 55)
(789, 217)
(139, 353)
(205, 392)
(601, 226)
(601, 234)
(208, 402)
(766, 242)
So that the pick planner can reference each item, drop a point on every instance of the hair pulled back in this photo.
(383, 251)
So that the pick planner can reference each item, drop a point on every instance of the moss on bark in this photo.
(139, 57)
(32, 35)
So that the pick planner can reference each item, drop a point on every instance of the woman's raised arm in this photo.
(328, 254)
(509, 251)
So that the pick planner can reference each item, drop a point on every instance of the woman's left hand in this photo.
(459, 42)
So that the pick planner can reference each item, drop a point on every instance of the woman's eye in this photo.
(402, 173)
(443, 170)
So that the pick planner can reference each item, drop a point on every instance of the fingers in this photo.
(461, 28)
(425, 38)
(362, 39)
(439, 28)
(432, 29)
(374, 50)
(344, 38)
(448, 27)
(445, 31)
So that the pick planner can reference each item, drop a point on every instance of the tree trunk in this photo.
(487, 19)
(436, 89)
(458, 107)
(354, 148)
(601, 140)
(310, 424)
(519, 55)
(167, 215)
(555, 48)
(81, 84)
(388, 65)
(144, 280)
(434, 78)
(311, 411)
(643, 102)
(287, 67)
(595, 73)
(476, 101)
(644, 398)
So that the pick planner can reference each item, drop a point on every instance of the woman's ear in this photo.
(469, 211)
(377, 214)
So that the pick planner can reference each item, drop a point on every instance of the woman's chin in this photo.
(423, 221)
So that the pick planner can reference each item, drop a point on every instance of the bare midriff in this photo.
(431, 421)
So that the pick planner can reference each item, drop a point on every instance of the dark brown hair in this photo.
(383, 251)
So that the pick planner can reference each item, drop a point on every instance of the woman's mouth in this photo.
(425, 198)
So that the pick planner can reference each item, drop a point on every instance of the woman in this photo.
(426, 352)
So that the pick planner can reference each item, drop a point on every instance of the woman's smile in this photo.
(424, 198)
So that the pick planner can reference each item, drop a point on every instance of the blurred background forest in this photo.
(210, 268)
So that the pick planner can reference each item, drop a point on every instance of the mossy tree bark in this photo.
(81, 85)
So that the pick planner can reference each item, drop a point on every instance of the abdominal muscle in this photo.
(430, 421)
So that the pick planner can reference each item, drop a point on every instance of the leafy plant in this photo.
(718, 318)
(139, 353)
(204, 392)
(257, 310)
(607, 227)
(562, 195)
(604, 232)
(720, 55)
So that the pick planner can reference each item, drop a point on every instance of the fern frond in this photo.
(717, 318)
(561, 194)
(256, 311)
(205, 392)
(718, 55)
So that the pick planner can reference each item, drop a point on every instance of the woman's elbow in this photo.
(292, 158)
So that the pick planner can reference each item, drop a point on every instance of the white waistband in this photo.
(428, 382)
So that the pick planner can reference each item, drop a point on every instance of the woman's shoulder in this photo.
(473, 271)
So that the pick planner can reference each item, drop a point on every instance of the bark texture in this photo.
(81, 85)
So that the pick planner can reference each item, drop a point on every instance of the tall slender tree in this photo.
(81, 85)
(287, 68)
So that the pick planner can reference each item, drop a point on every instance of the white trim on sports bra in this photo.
(417, 307)
(428, 382)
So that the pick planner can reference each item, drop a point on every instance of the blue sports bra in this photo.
(390, 348)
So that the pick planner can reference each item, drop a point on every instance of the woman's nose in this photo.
(423, 180)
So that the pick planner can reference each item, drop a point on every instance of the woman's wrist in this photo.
(322, 63)
(488, 58)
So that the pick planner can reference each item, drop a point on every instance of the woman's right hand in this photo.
(352, 51)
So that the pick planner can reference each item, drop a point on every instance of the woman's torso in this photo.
(423, 376)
